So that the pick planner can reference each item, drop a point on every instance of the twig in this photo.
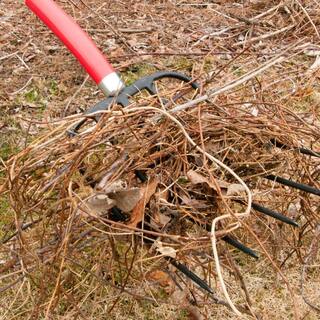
(229, 86)
(22, 61)
(309, 18)
(9, 55)
(22, 88)
(263, 36)
(234, 83)
(75, 95)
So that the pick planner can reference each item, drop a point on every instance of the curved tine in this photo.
(151, 88)
(305, 151)
(118, 216)
(100, 106)
(141, 175)
(105, 104)
(233, 242)
(271, 213)
(293, 184)
(147, 82)
(191, 275)
(175, 75)
(274, 214)
(72, 132)
(309, 152)
(238, 245)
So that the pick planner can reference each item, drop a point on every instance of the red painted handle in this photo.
(75, 39)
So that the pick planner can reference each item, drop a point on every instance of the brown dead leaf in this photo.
(195, 203)
(235, 189)
(118, 185)
(163, 219)
(213, 146)
(100, 203)
(116, 194)
(138, 211)
(229, 189)
(160, 277)
(126, 200)
(163, 279)
(116, 52)
(193, 312)
(197, 178)
(162, 195)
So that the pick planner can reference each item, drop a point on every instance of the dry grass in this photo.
(63, 257)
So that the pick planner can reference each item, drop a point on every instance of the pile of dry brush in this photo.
(117, 201)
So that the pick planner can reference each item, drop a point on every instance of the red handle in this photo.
(78, 42)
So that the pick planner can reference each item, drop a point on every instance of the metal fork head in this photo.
(123, 97)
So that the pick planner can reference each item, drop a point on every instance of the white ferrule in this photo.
(111, 84)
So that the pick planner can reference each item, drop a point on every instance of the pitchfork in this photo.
(110, 83)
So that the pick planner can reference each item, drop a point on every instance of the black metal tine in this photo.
(309, 152)
(271, 213)
(238, 245)
(305, 151)
(293, 184)
(233, 242)
(151, 88)
(274, 214)
(191, 275)
(141, 175)
(118, 216)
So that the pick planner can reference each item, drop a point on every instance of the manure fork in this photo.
(110, 83)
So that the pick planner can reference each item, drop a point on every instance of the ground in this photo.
(212, 42)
